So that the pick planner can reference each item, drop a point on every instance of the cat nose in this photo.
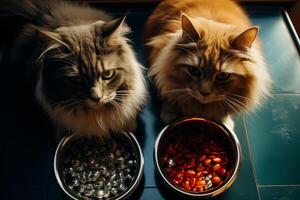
(205, 94)
(95, 98)
(95, 95)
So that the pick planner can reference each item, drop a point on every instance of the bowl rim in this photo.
(129, 190)
(234, 174)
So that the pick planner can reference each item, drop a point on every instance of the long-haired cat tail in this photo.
(84, 72)
(205, 59)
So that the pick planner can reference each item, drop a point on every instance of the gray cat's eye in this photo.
(223, 76)
(108, 74)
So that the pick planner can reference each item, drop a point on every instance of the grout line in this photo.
(267, 186)
(285, 94)
(251, 159)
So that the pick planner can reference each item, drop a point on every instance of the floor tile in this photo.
(151, 194)
(279, 50)
(27, 195)
(280, 193)
(275, 140)
(149, 120)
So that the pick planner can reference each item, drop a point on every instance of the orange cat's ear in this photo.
(189, 33)
(244, 41)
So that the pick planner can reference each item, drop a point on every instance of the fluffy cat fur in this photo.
(83, 71)
(205, 59)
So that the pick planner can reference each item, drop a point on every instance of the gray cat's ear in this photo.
(189, 33)
(244, 41)
(115, 28)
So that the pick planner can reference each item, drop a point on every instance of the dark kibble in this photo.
(98, 171)
(99, 194)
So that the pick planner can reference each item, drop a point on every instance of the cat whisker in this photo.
(239, 106)
(132, 94)
(115, 104)
(68, 61)
(229, 104)
(242, 97)
(58, 55)
(72, 67)
(243, 105)
(178, 90)
(98, 122)
(123, 91)
(129, 41)
(120, 100)
(144, 69)
(128, 93)
(54, 46)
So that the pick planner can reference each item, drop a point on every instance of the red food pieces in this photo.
(207, 162)
(189, 173)
(196, 163)
(216, 167)
(216, 179)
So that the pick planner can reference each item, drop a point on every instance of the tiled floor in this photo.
(269, 138)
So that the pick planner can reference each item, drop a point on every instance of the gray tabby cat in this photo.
(86, 76)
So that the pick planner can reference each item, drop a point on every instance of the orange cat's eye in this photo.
(194, 71)
(223, 76)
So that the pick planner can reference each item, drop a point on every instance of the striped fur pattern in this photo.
(205, 59)
(87, 77)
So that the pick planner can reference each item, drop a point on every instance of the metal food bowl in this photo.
(126, 140)
(202, 128)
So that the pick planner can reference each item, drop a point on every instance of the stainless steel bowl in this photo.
(218, 131)
(126, 139)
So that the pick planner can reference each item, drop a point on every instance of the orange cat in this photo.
(205, 59)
